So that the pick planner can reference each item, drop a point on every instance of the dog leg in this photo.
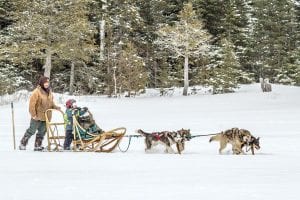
(223, 145)
(148, 145)
(236, 149)
(180, 147)
(252, 149)
(169, 149)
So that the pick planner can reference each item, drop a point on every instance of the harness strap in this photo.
(194, 136)
(156, 136)
(129, 142)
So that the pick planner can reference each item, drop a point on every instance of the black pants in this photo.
(68, 139)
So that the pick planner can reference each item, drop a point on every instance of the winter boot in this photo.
(22, 147)
(23, 143)
(38, 144)
(39, 148)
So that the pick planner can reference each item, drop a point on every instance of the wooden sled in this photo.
(104, 142)
(55, 130)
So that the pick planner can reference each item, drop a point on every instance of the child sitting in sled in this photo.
(84, 118)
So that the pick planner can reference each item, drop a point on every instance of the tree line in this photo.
(114, 47)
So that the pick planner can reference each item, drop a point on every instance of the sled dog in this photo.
(253, 144)
(166, 138)
(236, 137)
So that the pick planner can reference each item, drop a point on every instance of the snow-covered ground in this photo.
(199, 173)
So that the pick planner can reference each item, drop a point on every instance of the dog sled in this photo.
(87, 136)
(55, 129)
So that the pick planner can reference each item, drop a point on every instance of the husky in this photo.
(166, 138)
(236, 137)
(253, 144)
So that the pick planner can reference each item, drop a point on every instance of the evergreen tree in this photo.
(228, 19)
(185, 39)
(130, 75)
(289, 73)
(274, 38)
(6, 8)
(155, 14)
(226, 74)
(45, 28)
(122, 25)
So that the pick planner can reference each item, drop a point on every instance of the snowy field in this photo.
(199, 173)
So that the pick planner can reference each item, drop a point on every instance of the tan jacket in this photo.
(39, 102)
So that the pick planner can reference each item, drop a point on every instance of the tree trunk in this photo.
(115, 81)
(155, 73)
(72, 78)
(102, 30)
(186, 75)
(47, 65)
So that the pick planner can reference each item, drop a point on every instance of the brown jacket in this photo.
(39, 102)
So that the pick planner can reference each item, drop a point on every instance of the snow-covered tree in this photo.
(47, 28)
(275, 37)
(225, 76)
(186, 38)
(129, 73)
(11, 78)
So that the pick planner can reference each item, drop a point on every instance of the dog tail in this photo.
(140, 131)
(215, 138)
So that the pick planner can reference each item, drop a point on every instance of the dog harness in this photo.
(156, 136)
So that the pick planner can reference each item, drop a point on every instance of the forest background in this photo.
(114, 47)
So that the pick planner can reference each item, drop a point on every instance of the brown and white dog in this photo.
(166, 138)
(238, 138)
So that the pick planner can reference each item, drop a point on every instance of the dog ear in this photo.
(257, 139)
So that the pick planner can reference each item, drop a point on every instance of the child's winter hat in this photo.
(70, 102)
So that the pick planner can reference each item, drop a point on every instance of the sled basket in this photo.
(105, 141)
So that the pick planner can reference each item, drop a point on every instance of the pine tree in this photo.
(228, 19)
(226, 74)
(130, 75)
(122, 25)
(185, 39)
(290, 72)
(45, 29)
(155, 14)
(275, 38)
(6, 8)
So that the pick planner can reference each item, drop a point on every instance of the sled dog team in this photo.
(42, 100)
(238, 138)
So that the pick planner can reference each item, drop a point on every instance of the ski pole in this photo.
(13, 124)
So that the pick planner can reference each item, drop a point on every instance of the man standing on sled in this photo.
(41, 100)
